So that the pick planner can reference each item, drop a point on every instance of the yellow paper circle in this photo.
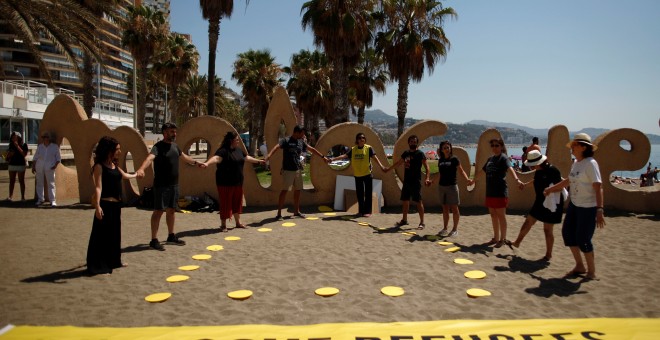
(445, 243)
(264, 230)
(312, 218)
(453, 249)
(392, 291)
(475, 274)
(189, 268)
(157, 297)
(381, 229)
(326, 291)
(432, 237)
(410, 233)
(232, 238)
(288, 224)
(364, 224)
(330, 214)
(215, 247)
(177, 278)
(477, 292)
(325, 208)
(201, 257)
(240, 294)
(463, 261)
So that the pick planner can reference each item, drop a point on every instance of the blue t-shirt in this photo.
(293, 149)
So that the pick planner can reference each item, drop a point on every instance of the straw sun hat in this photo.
(535, 157)
(582, 138)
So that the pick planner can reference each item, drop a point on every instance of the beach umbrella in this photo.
(516, 157)
(431, 154)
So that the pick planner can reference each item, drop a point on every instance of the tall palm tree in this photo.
(64, 23)
(191, 99)
(413, 39)
(177, 61)
(368, 76)
(99, 9)
(341, 27)
(310, 83)
(144, 32)
(214, 11)
(258, 74)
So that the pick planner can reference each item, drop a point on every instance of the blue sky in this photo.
(579, 63)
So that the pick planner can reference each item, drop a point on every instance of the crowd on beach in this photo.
(581, 215)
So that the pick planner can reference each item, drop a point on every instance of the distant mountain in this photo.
(378, 116)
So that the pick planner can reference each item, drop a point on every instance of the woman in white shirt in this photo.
(585, 210)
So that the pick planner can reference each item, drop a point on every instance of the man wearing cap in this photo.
(45, 161)
(292, 168)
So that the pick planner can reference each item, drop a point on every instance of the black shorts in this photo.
(166, 197)
(411, 191)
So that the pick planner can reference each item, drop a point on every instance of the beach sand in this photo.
(43, 280)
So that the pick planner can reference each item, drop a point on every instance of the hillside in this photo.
(470, 131)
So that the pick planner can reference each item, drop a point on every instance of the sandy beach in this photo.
(43, 279)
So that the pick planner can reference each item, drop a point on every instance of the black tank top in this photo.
(111, 182)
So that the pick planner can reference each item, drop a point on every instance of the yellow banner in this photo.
(537, 329)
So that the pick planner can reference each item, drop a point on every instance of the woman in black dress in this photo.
(104, 250)
(546, 175)
(16, 158)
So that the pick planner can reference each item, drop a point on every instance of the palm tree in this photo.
(191, 99)
(144, 32)
(309, 82)
(98, 9)
(258, 74)
(177, 61)
(62, 22)
(369, 75)
(214, 11)
(413, 39)
(341, 27)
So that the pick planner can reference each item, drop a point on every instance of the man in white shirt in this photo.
(45, 161)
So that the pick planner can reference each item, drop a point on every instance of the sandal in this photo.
(421, 226)
(223, 229)
(241, 226)
(401, 223)
(491, 242)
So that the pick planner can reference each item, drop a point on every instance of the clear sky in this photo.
(579, 63)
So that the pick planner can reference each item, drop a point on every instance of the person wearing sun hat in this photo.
(585, 210)
(545, 175)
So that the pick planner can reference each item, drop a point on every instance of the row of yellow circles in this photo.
(324, 291)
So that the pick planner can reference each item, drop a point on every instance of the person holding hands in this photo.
(585, 209)
(413, 160)
(360, 156)
(230, 160)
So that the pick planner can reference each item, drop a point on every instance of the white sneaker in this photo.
(443, 232)
(453, 233)
(53, 204)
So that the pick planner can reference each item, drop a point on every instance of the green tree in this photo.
(258, 75)
(64, 23)
(176, 62)
(309, 82)
(412, 40)
(214, 11)
(144, 31)
(341, 27)
(368, 76)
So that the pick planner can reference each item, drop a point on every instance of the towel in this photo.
(553, 199)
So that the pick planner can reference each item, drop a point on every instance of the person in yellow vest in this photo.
(360, 156)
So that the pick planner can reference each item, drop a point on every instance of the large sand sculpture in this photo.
(65, 118)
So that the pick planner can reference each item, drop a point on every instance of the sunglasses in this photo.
(494, 145)
(45, 136)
